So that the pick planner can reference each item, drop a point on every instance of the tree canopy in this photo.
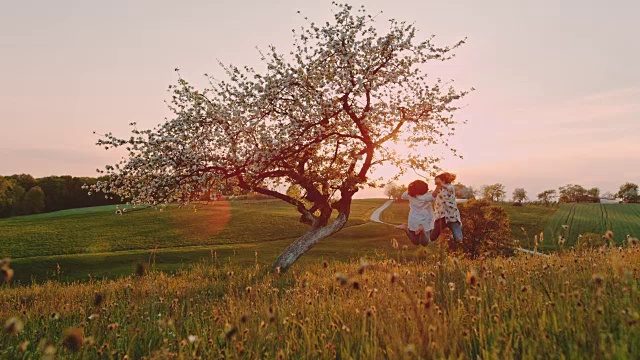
(322, 116)
(628, 192)
(495, 192)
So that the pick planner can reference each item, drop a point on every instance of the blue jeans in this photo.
(455, 227)
(419, 239)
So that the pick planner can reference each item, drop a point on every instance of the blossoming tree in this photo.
(321, 117)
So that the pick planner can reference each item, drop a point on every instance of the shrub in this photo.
(486, 230)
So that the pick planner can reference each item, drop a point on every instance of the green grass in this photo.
(95, 241)
(622, 219)
(531, 218)
(417, 305)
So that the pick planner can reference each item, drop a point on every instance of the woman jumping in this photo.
(447, 213)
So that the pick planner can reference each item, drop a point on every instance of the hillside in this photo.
(96, 241)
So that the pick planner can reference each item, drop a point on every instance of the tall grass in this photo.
(421, 304)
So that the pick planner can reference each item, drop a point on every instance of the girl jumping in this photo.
(420, 222)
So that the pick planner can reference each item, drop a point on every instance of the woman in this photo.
(446, 212)
(420, 222)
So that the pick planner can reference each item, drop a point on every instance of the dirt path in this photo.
(375, 216)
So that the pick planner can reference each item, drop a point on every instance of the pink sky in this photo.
(557, 100)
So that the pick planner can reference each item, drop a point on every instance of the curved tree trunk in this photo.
(307, 241)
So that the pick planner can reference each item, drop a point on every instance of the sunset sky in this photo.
(557, 99)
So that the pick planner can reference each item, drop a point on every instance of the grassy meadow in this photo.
(412, 304)
(205, 289)
(73, 244)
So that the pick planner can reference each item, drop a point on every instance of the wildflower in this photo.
(452, 286)
(429, 293)
(394, 243)
(230, 330)
(325, 264)
(598, 279)
(244, 318)
(561, 240)
(405, 247)
(341, 278)
(73, 339)
(472, 277)
(248, 289)
(608, 235)
(565, 226)
(13, 326)
(369, 312)
(47, 348)
(54, 316)
(355, 284)
(192, 338)
(98, 299)
(393, 277)
(633, 241)
(94, 317)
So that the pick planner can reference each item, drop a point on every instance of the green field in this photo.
(622, 219)
(96, 241)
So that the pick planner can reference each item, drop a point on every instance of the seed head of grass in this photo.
(13, 326)
(472, 278)
(394, 278)
(342, 278)
(230, 330)
(98, 299)
(598, 280)
(6, 273)
(141, 269)
(73, 339)
(47, 348)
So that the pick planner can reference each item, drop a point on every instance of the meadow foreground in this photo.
(411, 305)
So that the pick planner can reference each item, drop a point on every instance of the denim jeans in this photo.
(421, 238)
(455, 227)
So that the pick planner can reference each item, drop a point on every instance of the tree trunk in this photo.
(306, 242)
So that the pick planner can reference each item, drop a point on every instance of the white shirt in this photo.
(420, 211)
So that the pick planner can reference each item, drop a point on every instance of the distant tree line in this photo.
(23, 194)
(570, 193)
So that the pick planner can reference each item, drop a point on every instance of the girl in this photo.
(420, 221)
(447, 213)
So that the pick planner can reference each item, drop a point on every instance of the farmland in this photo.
(622, 219)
